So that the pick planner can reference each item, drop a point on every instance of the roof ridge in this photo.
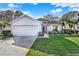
(22, 16)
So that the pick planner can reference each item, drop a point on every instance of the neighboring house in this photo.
(75, 26)
(78, 26)
(78, 21)
(66, 26)
(25, 26)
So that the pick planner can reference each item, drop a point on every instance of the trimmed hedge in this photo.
(71, 31)
(7, 33)
(40, 34)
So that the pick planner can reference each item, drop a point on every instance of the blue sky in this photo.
(37, 10)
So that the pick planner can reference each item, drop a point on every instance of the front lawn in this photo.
(55, 46)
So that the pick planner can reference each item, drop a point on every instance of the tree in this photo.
(17, 14)
(41, 19)
(9, 15)
(48, 17)
(2, 14)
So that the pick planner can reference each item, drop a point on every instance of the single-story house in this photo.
(27, 26)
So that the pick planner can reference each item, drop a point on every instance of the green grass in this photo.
(55, 46)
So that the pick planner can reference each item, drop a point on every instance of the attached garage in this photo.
(25, 30)
(25, 26)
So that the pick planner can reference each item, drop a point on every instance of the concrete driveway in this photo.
(16, 46)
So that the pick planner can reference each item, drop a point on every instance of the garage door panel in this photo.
(25, 30)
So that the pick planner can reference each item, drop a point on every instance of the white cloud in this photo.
(5, 9)
(12, 5)
(35, 3)
(56, 10)
(62, 5)
(75, 6)
(71, 5)
(59, 4)
(74, 9)
(26, 12)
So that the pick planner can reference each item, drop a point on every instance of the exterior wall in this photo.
(76, 27)
(49, 28)
(59, 28)
(39, 27)
(54, 26)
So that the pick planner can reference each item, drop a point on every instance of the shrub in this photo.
(59, 32)
(49, 32)
(55, 31)
(7, 33)
(77, 32)
(71, 31)
(62, 31)
(40, 34)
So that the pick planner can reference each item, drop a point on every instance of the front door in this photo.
(44, 29)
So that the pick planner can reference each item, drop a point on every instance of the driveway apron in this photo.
(16, 46)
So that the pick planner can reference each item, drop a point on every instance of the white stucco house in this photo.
(25, 26)
(56, 25)
(28, 26)
(47, 28)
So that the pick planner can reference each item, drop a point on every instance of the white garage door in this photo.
(25, 30)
